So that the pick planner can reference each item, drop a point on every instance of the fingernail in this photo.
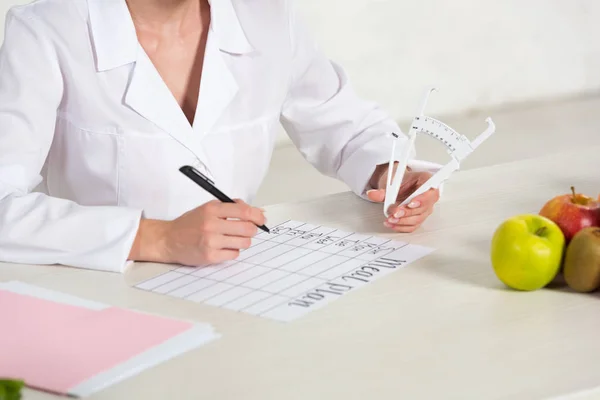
(371, 191)
(399, 213)
(393, 221)
(387, 224)
(414, 204)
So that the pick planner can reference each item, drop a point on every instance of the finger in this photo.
(410, 226)
(226, 242)
(418, 205)
(238, 228)
(240, 201)
(425, 200)
(414, 220)
(238, 210)
(376, 195)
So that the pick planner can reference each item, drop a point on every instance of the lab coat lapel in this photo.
(115, 43)
(149, 96)
(226, 41)
(217, 89)
(113, 35)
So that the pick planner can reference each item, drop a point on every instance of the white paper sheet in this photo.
(295, 269)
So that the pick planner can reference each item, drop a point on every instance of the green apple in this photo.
(527, 251)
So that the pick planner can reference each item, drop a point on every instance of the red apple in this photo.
(572, 212)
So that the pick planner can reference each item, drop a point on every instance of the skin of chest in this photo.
(177, 52)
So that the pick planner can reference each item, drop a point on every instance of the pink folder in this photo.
(66, 345)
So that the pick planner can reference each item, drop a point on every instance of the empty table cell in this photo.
(159, 280)
(268, 254)
(302, 287)
(227, 296)
(265, 279)
(259, 248)
(175, 284)
(192, 288)
(322, 265)
(248, 274)
(254, 241)
(246, 300)
(217, 288)
(287, 257)
(304, 261)
(228, 272)
(205, 271)
(284, 283)
(265, 304)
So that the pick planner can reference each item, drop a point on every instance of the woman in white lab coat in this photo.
(101, 103)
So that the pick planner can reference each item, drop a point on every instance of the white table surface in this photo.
(443, 327)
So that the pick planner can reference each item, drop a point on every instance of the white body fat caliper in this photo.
(458, 146)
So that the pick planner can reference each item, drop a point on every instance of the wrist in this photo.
(150, 242)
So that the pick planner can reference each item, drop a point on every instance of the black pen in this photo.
(209, 186)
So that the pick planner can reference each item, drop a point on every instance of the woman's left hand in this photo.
(409, 217)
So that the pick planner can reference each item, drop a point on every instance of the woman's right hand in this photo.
(212, 233)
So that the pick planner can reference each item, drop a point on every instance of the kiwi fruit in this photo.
(581, 265)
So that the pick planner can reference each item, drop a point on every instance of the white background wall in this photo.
(480, 53)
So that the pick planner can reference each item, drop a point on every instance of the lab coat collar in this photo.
(228, 29)
(115, 39)
(113, 33)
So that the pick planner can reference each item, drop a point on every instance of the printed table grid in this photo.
(291, 261)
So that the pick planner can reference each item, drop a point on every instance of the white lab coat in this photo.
(91, 139)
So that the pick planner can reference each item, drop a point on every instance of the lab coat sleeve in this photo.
(36, 228)
(340, 134)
